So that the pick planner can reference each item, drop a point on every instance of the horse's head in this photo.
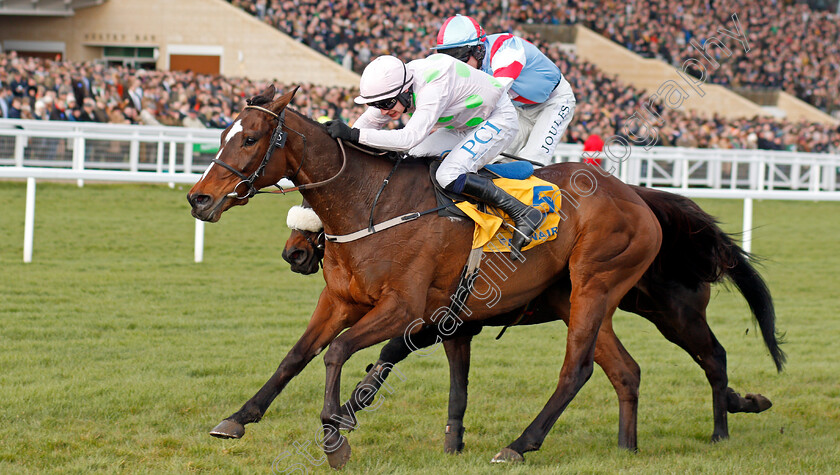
(304, 251)
(242, 165)
(305, 246)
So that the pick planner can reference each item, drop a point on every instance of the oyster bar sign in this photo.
(120, 37)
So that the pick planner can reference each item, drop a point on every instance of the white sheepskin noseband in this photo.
(304, 219)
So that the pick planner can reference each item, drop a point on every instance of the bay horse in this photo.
(673, 294)
(378, 287)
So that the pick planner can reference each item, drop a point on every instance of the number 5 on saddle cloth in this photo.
(493, 228)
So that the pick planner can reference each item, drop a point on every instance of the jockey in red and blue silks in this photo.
(543, 98)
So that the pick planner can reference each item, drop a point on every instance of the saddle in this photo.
(448, 199)
(515, 178)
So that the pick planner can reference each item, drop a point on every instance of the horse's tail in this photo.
(757, 295)
(695, 250)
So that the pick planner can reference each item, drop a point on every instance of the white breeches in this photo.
(541, 126)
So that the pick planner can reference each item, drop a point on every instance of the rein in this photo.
(278, 140)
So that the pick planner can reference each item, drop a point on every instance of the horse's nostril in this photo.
(200, 200)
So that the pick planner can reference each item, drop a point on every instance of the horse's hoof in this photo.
(453, 441)
(719, 438)
(508, 455)
(452, 445)
(761, 402)
(339, 457)
(228, 429)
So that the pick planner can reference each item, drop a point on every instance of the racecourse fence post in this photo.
(199, 240)
(29, 220)
(159, 155)
(814, 185)
(78, 157)
(748, 217)
(20, 147)
(173, 156)
(188, 154)
(134, 154)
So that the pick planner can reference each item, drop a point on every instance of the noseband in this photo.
(318, 243)
(278, 140)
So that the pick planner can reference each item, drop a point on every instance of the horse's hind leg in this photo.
(586, 318)
(625, 375)
(600, 273)
(680, 315)
(458, 354)
(621, 369)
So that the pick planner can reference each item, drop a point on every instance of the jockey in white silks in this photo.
(543, 98)
(454, 108)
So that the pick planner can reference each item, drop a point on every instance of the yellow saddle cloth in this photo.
(540, 194)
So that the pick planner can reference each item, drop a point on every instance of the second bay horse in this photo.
(673, 294)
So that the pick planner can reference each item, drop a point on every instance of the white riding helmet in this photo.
(385, 77)
(458, 31)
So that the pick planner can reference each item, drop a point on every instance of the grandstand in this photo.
(44, 7)
(324, 42)
(206, 36)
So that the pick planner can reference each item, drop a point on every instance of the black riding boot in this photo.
(526, 219)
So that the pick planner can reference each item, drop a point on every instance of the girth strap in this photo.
(373, 229)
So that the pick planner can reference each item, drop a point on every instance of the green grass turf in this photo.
(119, 353)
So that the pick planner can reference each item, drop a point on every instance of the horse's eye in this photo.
(250, 141)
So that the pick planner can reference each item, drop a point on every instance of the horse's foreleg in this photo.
(458, 354)
(396, 350)
(388, 319)
(323, 327)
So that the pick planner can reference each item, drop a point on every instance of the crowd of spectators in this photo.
(605, 103)
(43, 89)
(791, 46)
(352, 33)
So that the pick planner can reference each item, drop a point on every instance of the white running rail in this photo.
(79, 151)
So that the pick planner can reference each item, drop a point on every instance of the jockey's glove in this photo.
(339, 130)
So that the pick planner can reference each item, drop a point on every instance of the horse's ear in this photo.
(264, 97)
(283, 100)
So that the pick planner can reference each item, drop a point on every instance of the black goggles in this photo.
(461, 53)
(385, 104)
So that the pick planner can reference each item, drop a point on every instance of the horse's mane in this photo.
(260, 100)
(306, 117)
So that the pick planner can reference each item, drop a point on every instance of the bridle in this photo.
(278, 140)
(318, 243)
